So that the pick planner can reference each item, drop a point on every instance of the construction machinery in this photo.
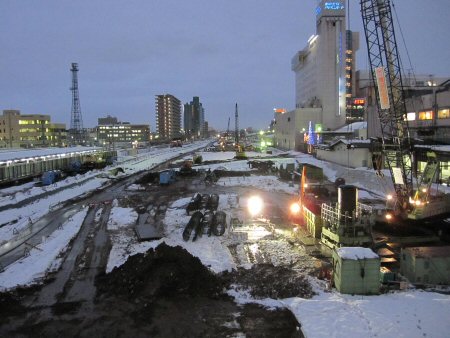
(239, 147)
(396, 148)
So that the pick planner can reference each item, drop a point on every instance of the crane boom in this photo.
(386, 72)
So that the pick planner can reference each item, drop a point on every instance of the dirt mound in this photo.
(10, 305)
(166, 271)
(268, 281)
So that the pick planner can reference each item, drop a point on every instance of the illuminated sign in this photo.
(333, 5)
(382, 88)
(359, 102)
(280, 110)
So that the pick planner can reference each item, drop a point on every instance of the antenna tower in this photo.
(76, 132)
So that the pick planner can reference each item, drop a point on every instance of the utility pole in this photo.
(236, 126)
(77, 135)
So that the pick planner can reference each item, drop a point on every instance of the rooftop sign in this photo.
(329, 6)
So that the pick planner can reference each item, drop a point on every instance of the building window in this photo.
(411, 116)
(426, 115)
(444, 113)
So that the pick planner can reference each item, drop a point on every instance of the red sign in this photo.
(359, 102)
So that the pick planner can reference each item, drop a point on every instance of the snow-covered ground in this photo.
(409, 313)
(14, 221)
(44, 258)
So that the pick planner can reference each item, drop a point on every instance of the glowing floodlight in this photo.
(295, 208)
(255, 205)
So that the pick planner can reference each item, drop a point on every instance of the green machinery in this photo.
(348, 223)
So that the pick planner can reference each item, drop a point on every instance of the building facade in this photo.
(30, 131)
(111, 132)
(324, 68)
(427, 101)
(168, 116)
(290, 128)
(194, 119)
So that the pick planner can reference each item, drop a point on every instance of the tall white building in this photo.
(322, 74)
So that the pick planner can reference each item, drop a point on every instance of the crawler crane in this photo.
(396, 143)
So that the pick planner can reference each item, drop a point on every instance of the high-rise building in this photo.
(324, 68)
(194, 118)
(355, 106)
(168, 116)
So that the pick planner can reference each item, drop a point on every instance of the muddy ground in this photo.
(165, 292)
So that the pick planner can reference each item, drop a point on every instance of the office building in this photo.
(112, 132)
(168, 116)
(30, 131)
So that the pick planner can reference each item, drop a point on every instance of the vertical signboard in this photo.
(398, 177)
(382, 88)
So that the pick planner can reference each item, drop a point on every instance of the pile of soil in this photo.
(165, 292)
(10, 305)
(168, 285)
(269, 281)
(164, 272)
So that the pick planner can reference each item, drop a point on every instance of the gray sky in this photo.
(223, 51)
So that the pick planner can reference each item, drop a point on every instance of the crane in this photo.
(396, 142)
(239, 147)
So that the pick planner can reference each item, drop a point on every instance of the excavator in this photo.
(411, 202)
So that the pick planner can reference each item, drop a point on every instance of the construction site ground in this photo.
(166, 291)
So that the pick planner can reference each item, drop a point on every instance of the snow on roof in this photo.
(17, 154)
(355, 143)
(356, 253)
(352, 127)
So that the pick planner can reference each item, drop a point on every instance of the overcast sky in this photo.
(223, 51)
